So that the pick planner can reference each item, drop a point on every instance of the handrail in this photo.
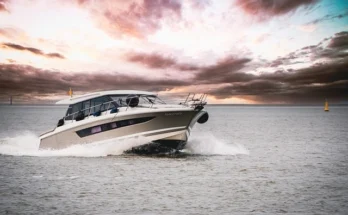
(192, 101)
(154, 101)
(89, 110)
(187, 98)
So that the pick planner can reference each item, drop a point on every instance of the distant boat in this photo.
(326, 107)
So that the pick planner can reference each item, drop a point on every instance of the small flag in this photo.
(70, 92)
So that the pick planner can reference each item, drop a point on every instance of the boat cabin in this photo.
(96, 103)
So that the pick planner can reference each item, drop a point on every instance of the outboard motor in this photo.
(203, 119)
(132, 101)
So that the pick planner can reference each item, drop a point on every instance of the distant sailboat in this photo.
(326, 107)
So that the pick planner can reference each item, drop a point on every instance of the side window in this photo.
(68, 112)
(85, 106)
(76, 108)
(101, 104)
(73, 109)
(119, 100)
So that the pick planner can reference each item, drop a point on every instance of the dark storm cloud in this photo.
(157, 61)
(337, 47)
(22, 48)
(332, 48)
(32, 50)
(54, 55)
(289, 59)
(311, 84)
(264, 9)
(317, 74)
(340, 40)
(223, 71)
(26, 80)
(251, 88)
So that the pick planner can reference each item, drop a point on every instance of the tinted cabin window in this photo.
(73, 109)
(112, 125)
(68, 112)
(100, 104)
(76, 107)
(85, 106)
(120, 100)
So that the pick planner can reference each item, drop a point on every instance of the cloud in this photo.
(228, 77)
(11, 61)
(3, 6)
(312, 84)
(265, 9)
(55, 55)
(157, 61)
(199, 4)
(309, 28)
(133, 18)
(32, 50)
(340, 40)
(13, 34)
(16, 79)
(328, 17)
(224, 71)
(152, 60)
(333, 48)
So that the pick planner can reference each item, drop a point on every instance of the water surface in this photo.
(244, 160)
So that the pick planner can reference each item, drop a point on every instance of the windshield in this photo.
(104, 103)
(144, 100)
(89, 107)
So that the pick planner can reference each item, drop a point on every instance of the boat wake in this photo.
(208, 144)
(28, 143)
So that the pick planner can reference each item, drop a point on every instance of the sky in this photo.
(237, 51)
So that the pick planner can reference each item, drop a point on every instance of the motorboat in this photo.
(122, 114)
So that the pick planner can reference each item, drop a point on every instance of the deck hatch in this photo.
(111, 125)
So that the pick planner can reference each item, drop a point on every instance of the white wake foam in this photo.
(28, 145)
(208, 144)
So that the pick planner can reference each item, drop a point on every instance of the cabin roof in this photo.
(81, 98)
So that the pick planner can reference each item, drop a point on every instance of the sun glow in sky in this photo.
(238, 51)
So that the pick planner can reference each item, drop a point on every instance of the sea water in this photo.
(244, 160)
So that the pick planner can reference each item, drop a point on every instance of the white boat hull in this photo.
(171, 126)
